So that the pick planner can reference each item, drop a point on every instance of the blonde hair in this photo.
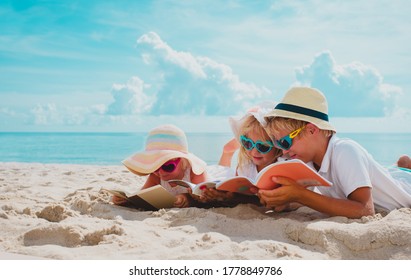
(252, 124)
(279, 123)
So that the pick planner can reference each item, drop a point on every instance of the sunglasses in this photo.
(262, 147)
(286, 142)
(170, 165)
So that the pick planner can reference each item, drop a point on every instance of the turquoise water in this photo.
(93, 148)
(111, 148)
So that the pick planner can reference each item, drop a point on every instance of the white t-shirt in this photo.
(349, 166)
(248, 170)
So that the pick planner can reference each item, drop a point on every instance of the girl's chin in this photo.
(167, 177)
(260, 162)
(171, 177)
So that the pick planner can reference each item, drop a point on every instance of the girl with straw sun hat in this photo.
(166, 157)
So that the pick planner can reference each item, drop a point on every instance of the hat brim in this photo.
(147, 162)
(322, 124)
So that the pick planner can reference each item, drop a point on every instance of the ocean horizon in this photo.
(98, 148)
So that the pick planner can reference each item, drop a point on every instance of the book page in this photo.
(293, 169)
(182, 183)
(133, 200)
(158, 196)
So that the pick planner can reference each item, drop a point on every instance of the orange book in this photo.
(294, 169)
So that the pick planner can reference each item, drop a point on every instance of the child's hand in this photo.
(118, 200)
(213, 194)
(182, 201)
(228, 151)
(279, 198)
(254, 189)
(231, 146)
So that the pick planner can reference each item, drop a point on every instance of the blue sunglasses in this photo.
(262, 147)
(286, 142)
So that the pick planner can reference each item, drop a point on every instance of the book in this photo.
(150, 199)
(294, 169)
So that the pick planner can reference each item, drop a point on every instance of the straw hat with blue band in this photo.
(305, 104)
(163, 143)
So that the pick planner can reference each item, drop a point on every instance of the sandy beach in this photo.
(56, 211)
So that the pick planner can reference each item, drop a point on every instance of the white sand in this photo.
(58, 212)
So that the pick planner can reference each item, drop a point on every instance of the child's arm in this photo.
(182, 200)
(197, 179)
(228, 151)
(151, 181)
(359, 203)
(118, 200)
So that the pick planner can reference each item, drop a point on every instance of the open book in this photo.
(294, 169)
(150, 199)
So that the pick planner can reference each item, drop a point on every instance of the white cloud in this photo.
(372, 125)
(8, 116)
(353, 90)
(183, 60)
(183, 84)
(194, 85)
(7, 112)
(130, 98)
(98, 109)
(46, 114)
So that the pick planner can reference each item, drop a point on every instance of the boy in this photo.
(300, 127)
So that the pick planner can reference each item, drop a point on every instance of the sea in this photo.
(112, 148)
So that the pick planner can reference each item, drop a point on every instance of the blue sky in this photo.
(130, 65)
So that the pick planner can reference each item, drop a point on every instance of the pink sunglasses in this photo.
(170, 165)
